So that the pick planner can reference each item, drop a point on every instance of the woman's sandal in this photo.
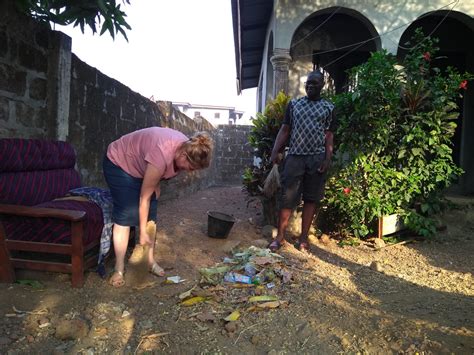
(117, 279)
(157, 270)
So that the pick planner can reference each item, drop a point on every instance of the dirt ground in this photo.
(410, 298)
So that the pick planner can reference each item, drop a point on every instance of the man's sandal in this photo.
(157, 270)
(117, 279)
(275, 245)
(303, 247)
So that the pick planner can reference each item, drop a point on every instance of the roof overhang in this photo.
(250, 20)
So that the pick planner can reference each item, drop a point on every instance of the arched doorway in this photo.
(322, 40)
(455, 32)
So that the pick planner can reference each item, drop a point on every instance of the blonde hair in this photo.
(199, 149)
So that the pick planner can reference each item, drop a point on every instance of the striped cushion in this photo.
(54, 230)
(34, 187)
(35, 154)
(33, 171)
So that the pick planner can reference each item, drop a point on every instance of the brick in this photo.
(12, 80)
(25, 114)
(32, 58)
(38, 89)
(4, 109)
(42, 39)
(3, 44)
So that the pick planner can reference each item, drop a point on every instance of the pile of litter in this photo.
(252, 266)
(248, 281)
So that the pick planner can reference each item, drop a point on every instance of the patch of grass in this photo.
(351, 242)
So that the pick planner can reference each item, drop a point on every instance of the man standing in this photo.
(309, 124)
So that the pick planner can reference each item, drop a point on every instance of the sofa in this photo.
(41, 227)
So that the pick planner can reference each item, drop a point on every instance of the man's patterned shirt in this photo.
(308, 121)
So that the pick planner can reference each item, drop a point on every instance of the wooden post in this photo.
(77, 254)
(7, 274)
(380, 231)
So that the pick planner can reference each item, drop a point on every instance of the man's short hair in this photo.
(317, 73)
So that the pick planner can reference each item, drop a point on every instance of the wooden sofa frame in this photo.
(76, 250)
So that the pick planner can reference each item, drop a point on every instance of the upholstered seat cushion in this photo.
(53, 230)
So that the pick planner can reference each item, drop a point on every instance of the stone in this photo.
(5, 341)
(325, 239)
(304, 330)
(230, 245)
(379, 243)
(43, 320)
(260, 243)
(71, 329)
(231, 327)
(377, 266)
(269, 231)
(258, 339)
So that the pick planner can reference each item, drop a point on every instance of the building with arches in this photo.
(277, 42)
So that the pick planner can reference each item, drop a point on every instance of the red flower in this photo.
(347, 190)
(427, 56)
(463, 85)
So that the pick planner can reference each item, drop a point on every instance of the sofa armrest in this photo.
(75, 249)
(39, 212)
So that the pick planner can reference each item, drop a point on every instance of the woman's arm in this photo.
(150, 183)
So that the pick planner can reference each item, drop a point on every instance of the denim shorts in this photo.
(125, 191)
(300, 179)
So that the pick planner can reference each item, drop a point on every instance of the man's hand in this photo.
(276, 157)
(324, 165)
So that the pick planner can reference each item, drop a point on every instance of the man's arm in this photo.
(280, 142)
(283, 135)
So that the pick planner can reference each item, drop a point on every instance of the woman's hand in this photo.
(157, 191)
(145, 238)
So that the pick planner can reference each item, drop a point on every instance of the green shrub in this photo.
(262, 138)
(393, 143)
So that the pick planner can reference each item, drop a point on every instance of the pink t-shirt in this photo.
(154, 145)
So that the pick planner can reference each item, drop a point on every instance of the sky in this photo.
(177, 50)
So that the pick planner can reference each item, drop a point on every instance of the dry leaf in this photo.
(186, 294)
(272, 304)
(263, 298)
(233, 316)
(263, 260)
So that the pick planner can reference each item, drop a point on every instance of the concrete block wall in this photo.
(234, 153)
(24, 69)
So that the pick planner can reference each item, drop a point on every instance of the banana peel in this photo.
(193, 301)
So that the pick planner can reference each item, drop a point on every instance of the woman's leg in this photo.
(151, 252)
(151, 230)
(120, 236)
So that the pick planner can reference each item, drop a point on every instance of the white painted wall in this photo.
(385, 15)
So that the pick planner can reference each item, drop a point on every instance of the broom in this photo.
(138, 261)
(272, 182)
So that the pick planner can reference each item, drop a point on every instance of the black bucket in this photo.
(219, 224)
